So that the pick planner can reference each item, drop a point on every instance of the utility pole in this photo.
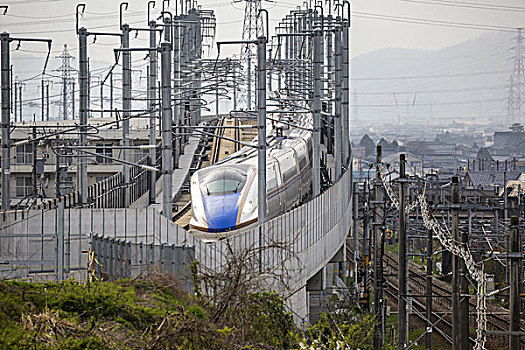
(329, 69)
(249, 77)
(6, 122)
(279, 84)
(338, 107)
(197, 55)
(20, 101)
(167, 136)
(47, 101)
(57, 168)
(234, 87)
(34, 146)
(464, 294)
(126, 107)
(366, 246)
(11, 82)
(72, 84)
(355, 193)
(261, 125)
(15, 93)
(378, 257)
(42, 104)
(428, 334)
(5, 40)
(177, 111)
(345, 88)
(111, 93)
(316, 159)
(83, 110)
(64, 99)
(152, 84)
(456, 321)
(101, 98)
(217, 92)
(505, 203)
(514, 303)
(402, 321)
(270, 71)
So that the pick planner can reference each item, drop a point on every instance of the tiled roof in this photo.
(489, 178)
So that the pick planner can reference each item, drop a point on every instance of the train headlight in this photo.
(197, 205)
(248, 208)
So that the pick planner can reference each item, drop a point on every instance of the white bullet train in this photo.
(224, 195)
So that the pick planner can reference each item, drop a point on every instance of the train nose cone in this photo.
(221, 211)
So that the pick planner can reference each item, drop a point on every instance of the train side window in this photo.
(301, 156)
(288, 169)
(309, 146)
(271, 181)
(302, 161)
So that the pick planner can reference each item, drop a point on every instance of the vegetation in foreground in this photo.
(154, 313)
(151, 313)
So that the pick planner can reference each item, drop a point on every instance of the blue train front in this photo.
(223, 197)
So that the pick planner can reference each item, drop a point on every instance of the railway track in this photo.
(443, 303)
(441, 326)
(222, 147)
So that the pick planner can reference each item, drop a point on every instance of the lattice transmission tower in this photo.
(516, 85)
(252, 28)
(67, 102)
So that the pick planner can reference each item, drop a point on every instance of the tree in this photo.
(516, 127)
(236, 296)
(484, 155)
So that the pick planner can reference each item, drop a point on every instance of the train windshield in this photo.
(223, 181)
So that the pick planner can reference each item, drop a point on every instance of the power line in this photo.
(483, 88)
(468, 5)
(431, 104)
(69, 30)
(437, 76)
(71, 19)
(432, 22)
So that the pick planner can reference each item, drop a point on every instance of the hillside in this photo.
(463, 82)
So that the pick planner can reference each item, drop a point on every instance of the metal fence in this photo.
(54, 244)
(116, 259)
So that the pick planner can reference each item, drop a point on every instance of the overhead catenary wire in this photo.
(469, 5)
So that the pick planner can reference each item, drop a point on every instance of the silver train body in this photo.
(224, 195)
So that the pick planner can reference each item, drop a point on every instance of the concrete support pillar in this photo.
(315, 291)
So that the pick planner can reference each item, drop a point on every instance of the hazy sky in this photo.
(376, 24)
(55, 19)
